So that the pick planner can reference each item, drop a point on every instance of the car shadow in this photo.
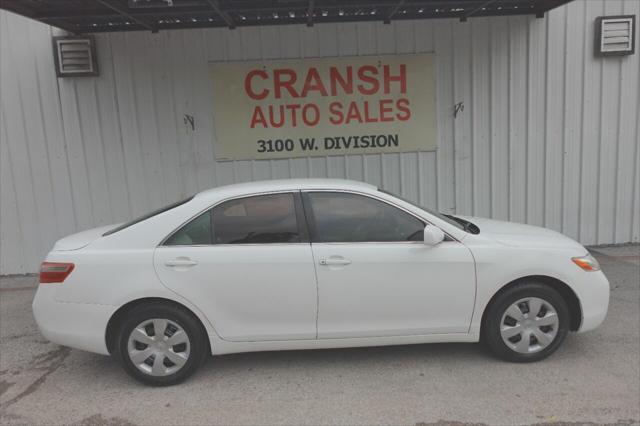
(349, 357)
(328, 362)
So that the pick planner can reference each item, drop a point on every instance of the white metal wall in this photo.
(548, 136)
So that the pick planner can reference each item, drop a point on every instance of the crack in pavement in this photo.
(99, 420)
(19, 336)
(48, 362)
(4, 386)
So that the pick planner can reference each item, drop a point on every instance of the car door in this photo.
(247, 264)
(376, 277)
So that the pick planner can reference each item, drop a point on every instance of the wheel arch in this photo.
(120, 314)
(567, 293)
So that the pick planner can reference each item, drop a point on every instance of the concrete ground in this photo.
(593, 378)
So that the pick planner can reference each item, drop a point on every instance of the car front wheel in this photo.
(526, 323)
(160, 344)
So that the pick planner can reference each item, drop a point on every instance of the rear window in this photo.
(147, 216)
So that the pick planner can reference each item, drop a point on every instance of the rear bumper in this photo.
(77, 325)
(593, 292)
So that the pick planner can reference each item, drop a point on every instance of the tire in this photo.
(162, 361)
(513, 333)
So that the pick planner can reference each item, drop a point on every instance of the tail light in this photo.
(55, 272)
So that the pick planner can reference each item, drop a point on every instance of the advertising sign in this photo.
(324, 106)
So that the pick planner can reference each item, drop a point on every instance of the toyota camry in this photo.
(306, 264)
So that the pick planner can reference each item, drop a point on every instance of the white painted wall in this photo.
(549, 134)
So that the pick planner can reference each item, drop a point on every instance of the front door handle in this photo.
(338, 261)
(181, 262)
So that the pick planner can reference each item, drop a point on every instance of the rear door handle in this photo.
(335, 261)
(181, 262)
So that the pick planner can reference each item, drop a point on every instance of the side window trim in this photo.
(211, 230)
(312, 222)
(310, 219)
(301, 218)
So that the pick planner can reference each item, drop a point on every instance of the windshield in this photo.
(440, 216)
(147, 216)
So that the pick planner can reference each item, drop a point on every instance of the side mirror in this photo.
(433, 235)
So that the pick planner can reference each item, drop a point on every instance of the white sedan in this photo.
(310, 263)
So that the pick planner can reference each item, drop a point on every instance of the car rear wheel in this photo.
(526, 323)
(160, 344)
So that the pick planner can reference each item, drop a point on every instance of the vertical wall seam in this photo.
(527, 124)
(134, 113)
(617, 155)
(585, 33)
(509, 121)
(472, 141)
(452, 87)
(402, 180)
(103, 150)
(191, 97)
(600, 112)
(205, 53)
(46, 141)
(116, 105)
(158, 142)
(490, 126)
(437, 152)
(636, 157)
(82, 148)
(65, 145)
(564, 118)
(23, 251)
(546, 121)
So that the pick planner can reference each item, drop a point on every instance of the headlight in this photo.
(588, 263)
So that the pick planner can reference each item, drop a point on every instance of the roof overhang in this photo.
(90, 16)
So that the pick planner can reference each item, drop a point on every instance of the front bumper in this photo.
(77, 325)
(593, 292)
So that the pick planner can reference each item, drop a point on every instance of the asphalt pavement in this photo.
(593, 378)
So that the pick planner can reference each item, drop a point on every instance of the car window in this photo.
(346, 217)
(196, 232)
(258, 219)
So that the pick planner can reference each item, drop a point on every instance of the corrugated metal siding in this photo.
(548, 136)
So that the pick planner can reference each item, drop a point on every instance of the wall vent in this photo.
(615, 35)
(75, 56)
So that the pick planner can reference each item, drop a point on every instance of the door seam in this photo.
(315, 273)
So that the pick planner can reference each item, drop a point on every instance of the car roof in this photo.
(285, 185)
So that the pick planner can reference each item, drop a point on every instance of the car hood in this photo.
(81, 239)
(521, 235)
